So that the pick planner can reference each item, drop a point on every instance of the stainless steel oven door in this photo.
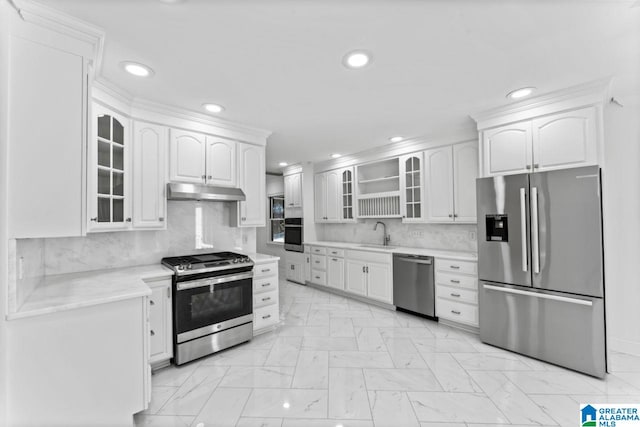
(207, 305)
(293, 234)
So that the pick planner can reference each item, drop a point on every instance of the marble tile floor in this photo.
(335, 362)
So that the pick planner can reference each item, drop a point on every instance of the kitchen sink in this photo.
(372, 246)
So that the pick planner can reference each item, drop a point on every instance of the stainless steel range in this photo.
(212, 303)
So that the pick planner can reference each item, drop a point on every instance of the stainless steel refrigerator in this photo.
(540, 265)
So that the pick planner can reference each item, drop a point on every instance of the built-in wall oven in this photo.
(212, 303)
(293, 234)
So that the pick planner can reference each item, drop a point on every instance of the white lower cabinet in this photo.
(356, 277)
(160, 325)
(266, 308)
(335, 272)
(457, 291)
(295, 267)
(369, 274)
(307, 264)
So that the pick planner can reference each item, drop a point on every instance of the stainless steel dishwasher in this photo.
(413, 284)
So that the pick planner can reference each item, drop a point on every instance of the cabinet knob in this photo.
(204, 176)
(266, 317)
(536, 165)
(455, 215)
(455, 295)
(450, 216)
(94, 219)
(128, 219)
(152, 333)
(161, 219)
(266, 299)
(151, 302)
(528, 166)
(455, 312)
(208, 176)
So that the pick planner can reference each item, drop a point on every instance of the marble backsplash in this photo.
(128, 248)
(456, 237)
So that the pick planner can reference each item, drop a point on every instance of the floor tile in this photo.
(563, 409)
(341, 327)
(443, 345)
(286, 403)
(359, 359)
(223, 408)
(159, 396)
(446, 425)
(348, 394)
(329, 343)
(419, 333)
(260, 422)
(326, 423)
(392, 409)
(312, 370)
(491, 362)
(622, 362)
(192, 395)
(451, 376)
(401, 380)
(369, 339)
(258, 377)
(544, 382)
(404, 354)
(237, 356)
(304, 331)
(456, 407)
(173, 376)
(142, 420)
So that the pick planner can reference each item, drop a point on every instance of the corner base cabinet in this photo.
(266, 307)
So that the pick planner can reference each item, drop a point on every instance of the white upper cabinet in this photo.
(188, 158)
(149, 175)
(293, 190)
(348, 208)
(508, 149)
(450, 187)
(46, 140)
(439, 184)
(109, 173)
(334, 205)
(251, 212)
(221, 162)
(565, 140)
(334, 197)
(412, 187)
(320, 194)
(465, 172)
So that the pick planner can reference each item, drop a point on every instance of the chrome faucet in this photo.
(385, 236)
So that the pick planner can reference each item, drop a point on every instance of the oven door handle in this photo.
(211, 281)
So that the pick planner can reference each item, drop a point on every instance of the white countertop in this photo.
(438, 253)
(261, 258)
(69, 291)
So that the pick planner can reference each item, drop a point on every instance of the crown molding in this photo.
(62, 23)
(590, 93)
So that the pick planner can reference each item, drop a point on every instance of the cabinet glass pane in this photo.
(349, 188)
(118, 184)
(409, 179)
(118, 210)
(104, 182)
(409, 195)
(118, 132)
(416, 194)
(118, 157)
(416, 211)
(104, 156)
(416, 178)
(104, 126)
(350, 214)
(409, 210)
(104, 209)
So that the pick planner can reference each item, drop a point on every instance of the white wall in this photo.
(275, 187)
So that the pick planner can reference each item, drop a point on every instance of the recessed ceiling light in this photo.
(357, 59)
(396, 139)
(213, 108)
(521, 93)
(286, 405)
(137, 69)
(171, 1)
(283, 164)
(335, 155)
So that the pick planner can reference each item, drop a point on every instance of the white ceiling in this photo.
(276, 64)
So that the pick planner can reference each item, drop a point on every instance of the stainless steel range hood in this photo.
(189, 191)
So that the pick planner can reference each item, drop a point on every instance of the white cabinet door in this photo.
(288, 196)
(296, 190)
(46, 127)
(149, 175)
(439, 184)
(187, 163)
(411, 187)
(334, 196)
(109, 172)
(379, 282)
(565, 140)
(335, 273)
(161, 339)
(356, 277)
(252, 182)
(465, 172)
(221, 162)
(307, 266)
(320, 195)
(507, 149)
(348, 208)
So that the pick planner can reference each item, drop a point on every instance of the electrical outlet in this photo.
(417, 234)
(472, 236)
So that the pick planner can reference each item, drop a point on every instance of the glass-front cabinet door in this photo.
(109, 178)
(347, 194)
(412, 193)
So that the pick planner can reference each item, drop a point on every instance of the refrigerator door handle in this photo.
(523, 228)
(539, 295)
(535, 243)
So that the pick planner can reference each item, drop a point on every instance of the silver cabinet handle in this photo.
(536, 166)
(318, 277)
(454, 281)
(455, 295)
(454, 267)
(94, 219)
(528, 167)
(204, 177)
(267, 316)
(455, 312)
(317, 262)
(363, 269)
(208, 176)
(264, 285)
(128, 219)
(152, 333)
(535, 244)
(266, 270)
(266, 299)
(151, 302)
(539, 295)
(334, 259)
(415, 261)
(523, 227)
(161, 219)
(450, 216)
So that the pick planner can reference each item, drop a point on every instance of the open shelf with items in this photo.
(379, 189)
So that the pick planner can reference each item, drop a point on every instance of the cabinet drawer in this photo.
(265, 316)
(335, 252)
(463, 267)
(318, 262)
(457, 311)
(457, 280)
(319, 277)
(318, 250)
(264, 270)
(266, 284)
(265, 298)
(457, 294)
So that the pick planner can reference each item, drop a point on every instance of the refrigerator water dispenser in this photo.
(497, 228)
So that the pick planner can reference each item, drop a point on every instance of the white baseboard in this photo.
(624, 346)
